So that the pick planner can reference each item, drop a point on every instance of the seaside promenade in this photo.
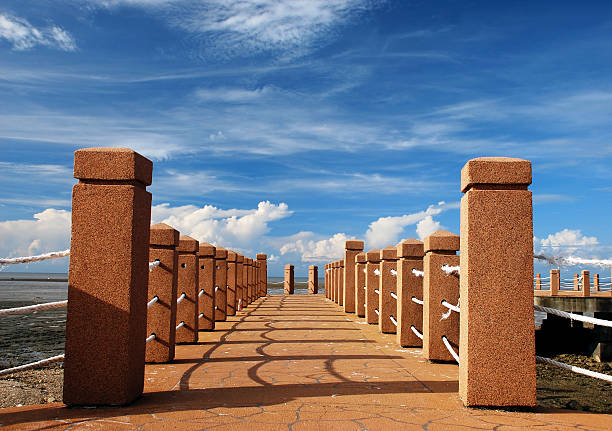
(297, 363)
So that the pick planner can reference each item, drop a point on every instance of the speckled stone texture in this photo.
(313, 279)
(252, 280)
(440, 249)
(245, 282)
(257, 279)
(239, 282)
(110, 235)
(334, 281)
(289, 280)
(410, 256)
(372, 282)
(360, 282)
(497, 350)
(206, 292)
(231, 283)
(220, 284)
(325, 281)
(188, 282)
(341, 283)
(351, 249)
(163, 280)
(387, 305)
(263, 271)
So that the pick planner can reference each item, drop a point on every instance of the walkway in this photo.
(296, 363)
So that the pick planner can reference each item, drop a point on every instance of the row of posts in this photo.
(581, 285)
(405, 290)
(120, 313)
(289, 280)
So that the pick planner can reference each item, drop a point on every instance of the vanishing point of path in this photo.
(297, 363)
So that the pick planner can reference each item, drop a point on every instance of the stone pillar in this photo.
(231, 284)
(245, 282)
(252, 296)
(263, 271)
(586, 283)
(188, 283)
(289, 283)
(340, 294)
(206, 292)
(387, 304)
(538, 282)
(360, 282)
(596, 282)
(497, 344)
(220, 283)
(555, 281)
(325, 284)
(576, 283)
(239, 282)
(410, 254)
(111, 213)
(372, 271)
(257, 279)
(440, 249)
(313, 279)
(351, 249)
(334, 281)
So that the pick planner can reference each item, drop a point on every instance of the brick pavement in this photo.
(297, 363)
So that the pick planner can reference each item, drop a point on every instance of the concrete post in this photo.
(239, 282)
(163, 280)
(387, 304)
(440, 249)
(596, 282)
(206, 292)
(313, 279)
(586, 283)
(220, 283)
(372, 271)
(360, 269)
(496, 368)
(538, 282)
(555, 281)
(409, 285)
(245, 282)
(188, 283)
(325, 283)
(231, 284)
(111, 213)
(334, 280)
(340, 293)
(263, 271)
(351, 249)
(289, 284)
(576, 283)
(252, 296)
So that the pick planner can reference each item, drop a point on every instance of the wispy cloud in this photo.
(23, 35)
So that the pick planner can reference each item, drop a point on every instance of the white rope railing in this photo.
(150, 338)
(33, 308)
(393, 295)
(573, 316)
(376, 291)
(451, 269)
(418, 301)
(200, 315)
(28, 259)
(216, 288)
(377, 312)
(31, 365)
(418, 273)
(394, 272)
(416, 332)
(393, 320)
(201, 293)
(180, 325)
(451, 306)
(154, 264)
(450, 348)
(180, 298)
(574, 369)
(152, 301)
(376, 271)
(365, 271)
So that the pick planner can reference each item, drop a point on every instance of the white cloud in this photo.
(387, 230)
(312, 250)
(23, 35)
(566, 240)
(230, 94)
(426, 227)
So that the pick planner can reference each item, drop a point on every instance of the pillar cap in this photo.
(206, 250)
(313, 267)
(288, 266)
(341, 263)
(162, 234)
(441, 240)
(112, 164)
(262, 256)
(239, 258)
(361, 257)
(353, 245)
(496, 171)
(187, 244)
(220, 253)
(410, 248)
(373, 256)
(389, 253)
(231, 256)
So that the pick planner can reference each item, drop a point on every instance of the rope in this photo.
(377, 312)
(577, 370)
(216, 288)
(418, 273)
(573, 316)
(451, 269)
(451, 306)
(393, 272)
(180, 325)
(416, 332)
(239, 304)
(418, 301)
(376, 291)
(450, 348)
(393, 295)
(201, 293)
(200, 315)
(150, 338)
(154, 264)
(152, 301)
(28, 259)
(37, 364)
(180, 298)
(393, 320)
(365, 271)
(33, 308)
(376, 272)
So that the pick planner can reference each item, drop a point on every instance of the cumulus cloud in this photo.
(234, 228)
(387, 230)
(312, 250)
(23, 35)
(565, 242)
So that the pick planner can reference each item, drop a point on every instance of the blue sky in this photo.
(289, 127)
